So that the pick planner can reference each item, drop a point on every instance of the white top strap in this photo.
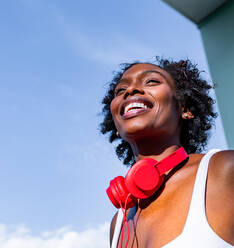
(197, 211)
(118, 226)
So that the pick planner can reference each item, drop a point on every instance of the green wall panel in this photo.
(217, 32)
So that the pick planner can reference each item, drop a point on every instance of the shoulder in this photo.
(112, 227)
(223, 161)
(219, 194)
(226, 156)
(221, 168)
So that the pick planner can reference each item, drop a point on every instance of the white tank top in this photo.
(197, 231)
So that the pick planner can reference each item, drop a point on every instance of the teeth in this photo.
(134, 105)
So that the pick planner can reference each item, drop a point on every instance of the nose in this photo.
(133, 90)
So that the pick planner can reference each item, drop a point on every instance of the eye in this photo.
(152, 82)
(119, 91)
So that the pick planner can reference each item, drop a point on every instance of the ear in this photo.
(187, 115)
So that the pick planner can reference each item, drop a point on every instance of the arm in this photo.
(220, 194)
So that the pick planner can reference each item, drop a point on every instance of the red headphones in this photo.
(142, 179)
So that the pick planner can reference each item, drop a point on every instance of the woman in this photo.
(153, 109)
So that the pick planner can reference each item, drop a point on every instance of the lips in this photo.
(134, 106)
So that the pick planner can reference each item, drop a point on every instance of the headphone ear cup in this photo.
(124, 193)
(143, 178)
(118, 193)
(113, 194)
(121, 188)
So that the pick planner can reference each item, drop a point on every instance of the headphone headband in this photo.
(172, 160)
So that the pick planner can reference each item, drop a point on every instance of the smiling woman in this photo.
(155, 110)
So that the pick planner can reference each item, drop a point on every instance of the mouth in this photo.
(135, 106)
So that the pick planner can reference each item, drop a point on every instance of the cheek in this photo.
(113, 107)
(114, 110)
(164, 96)
(166, 103)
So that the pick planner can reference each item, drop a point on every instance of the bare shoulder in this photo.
(112, 227)
(219, 194)
(222, 168)
(226, 156)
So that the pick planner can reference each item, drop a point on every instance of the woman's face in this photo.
(144, 103)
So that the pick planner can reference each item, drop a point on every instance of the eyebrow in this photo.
(154, 71)
(144, 73)
(161, 74)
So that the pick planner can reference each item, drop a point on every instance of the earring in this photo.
(117, 134)
(185, 115)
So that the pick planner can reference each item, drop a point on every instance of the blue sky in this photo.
(56, 60)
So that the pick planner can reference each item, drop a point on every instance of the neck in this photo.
(153, 148)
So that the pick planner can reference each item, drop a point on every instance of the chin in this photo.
(136, 131)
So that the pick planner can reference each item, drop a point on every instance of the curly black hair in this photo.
(192, 92)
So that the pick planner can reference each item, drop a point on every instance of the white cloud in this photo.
(22, 237)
